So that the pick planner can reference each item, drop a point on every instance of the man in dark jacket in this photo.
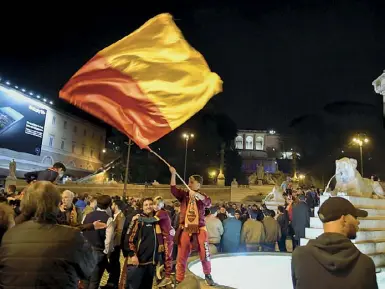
(52, 174)
(231, 237)
(101, 240)
(283, 221)
(142, 247)
(300, 219)
(332, 260)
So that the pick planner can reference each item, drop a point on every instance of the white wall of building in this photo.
(75, 142)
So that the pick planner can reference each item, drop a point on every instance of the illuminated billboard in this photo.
(22, 122)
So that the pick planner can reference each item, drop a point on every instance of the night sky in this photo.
(279, 62)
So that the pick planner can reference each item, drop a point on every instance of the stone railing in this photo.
(244, 194)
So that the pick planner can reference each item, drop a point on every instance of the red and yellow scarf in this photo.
(191, 223)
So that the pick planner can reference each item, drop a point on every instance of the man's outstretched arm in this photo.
(177, 193)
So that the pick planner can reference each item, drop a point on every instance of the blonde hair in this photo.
(159, 201)
(41, 200)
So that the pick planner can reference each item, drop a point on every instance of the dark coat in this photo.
(300, 220)
(231, 237)
(332, 261)
(35, 255)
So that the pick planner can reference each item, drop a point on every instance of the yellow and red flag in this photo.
(145, 85)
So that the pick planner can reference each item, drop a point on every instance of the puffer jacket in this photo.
(35, 255)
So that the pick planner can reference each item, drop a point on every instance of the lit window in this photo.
(239, 142)
(249, 142)
(259, 143)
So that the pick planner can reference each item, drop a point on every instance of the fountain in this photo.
(274, 199)
(248, 270)
(242, 269)
(364, 194)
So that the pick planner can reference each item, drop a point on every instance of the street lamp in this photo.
(129, 144)
(360, 142)
(212, 175)
(186, 136)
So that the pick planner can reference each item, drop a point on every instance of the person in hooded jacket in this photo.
(332, 260)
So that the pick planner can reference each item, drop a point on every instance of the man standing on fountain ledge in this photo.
(192, 232)
(332, 260)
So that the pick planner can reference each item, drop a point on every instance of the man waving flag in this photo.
(145, 85)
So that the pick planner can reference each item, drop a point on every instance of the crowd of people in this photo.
(53, 239)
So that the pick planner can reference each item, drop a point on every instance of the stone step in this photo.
(365, 224)
(362, 236)
(365, 203)
(378, 259)
(365, 247)
(372, 213)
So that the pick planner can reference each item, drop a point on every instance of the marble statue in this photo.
(268, 179)
(350, 182)
(260, 172)
(252, 179)
(234, 183)
(12, 169)
(275, 196)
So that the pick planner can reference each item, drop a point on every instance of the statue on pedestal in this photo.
(221, 179)
(234, 183)
(11, 179)
(12, 170)
(260, 172)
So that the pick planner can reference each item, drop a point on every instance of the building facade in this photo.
(263, 147)
(258, 147)
(75, 142)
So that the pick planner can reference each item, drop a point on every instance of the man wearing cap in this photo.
(332, 260)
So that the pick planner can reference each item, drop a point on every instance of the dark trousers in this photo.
(114, 267)
(282, 243)
(140, 277)
(291, 234)
(268, 247)
(94, 281)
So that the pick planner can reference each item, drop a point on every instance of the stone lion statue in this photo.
(350, 182)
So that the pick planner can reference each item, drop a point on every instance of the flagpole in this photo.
(167, 164)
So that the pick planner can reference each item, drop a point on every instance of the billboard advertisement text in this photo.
(22, 122)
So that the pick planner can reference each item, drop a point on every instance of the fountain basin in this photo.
(254, 270)
(248, 270)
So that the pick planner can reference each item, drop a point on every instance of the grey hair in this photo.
(69, 193)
